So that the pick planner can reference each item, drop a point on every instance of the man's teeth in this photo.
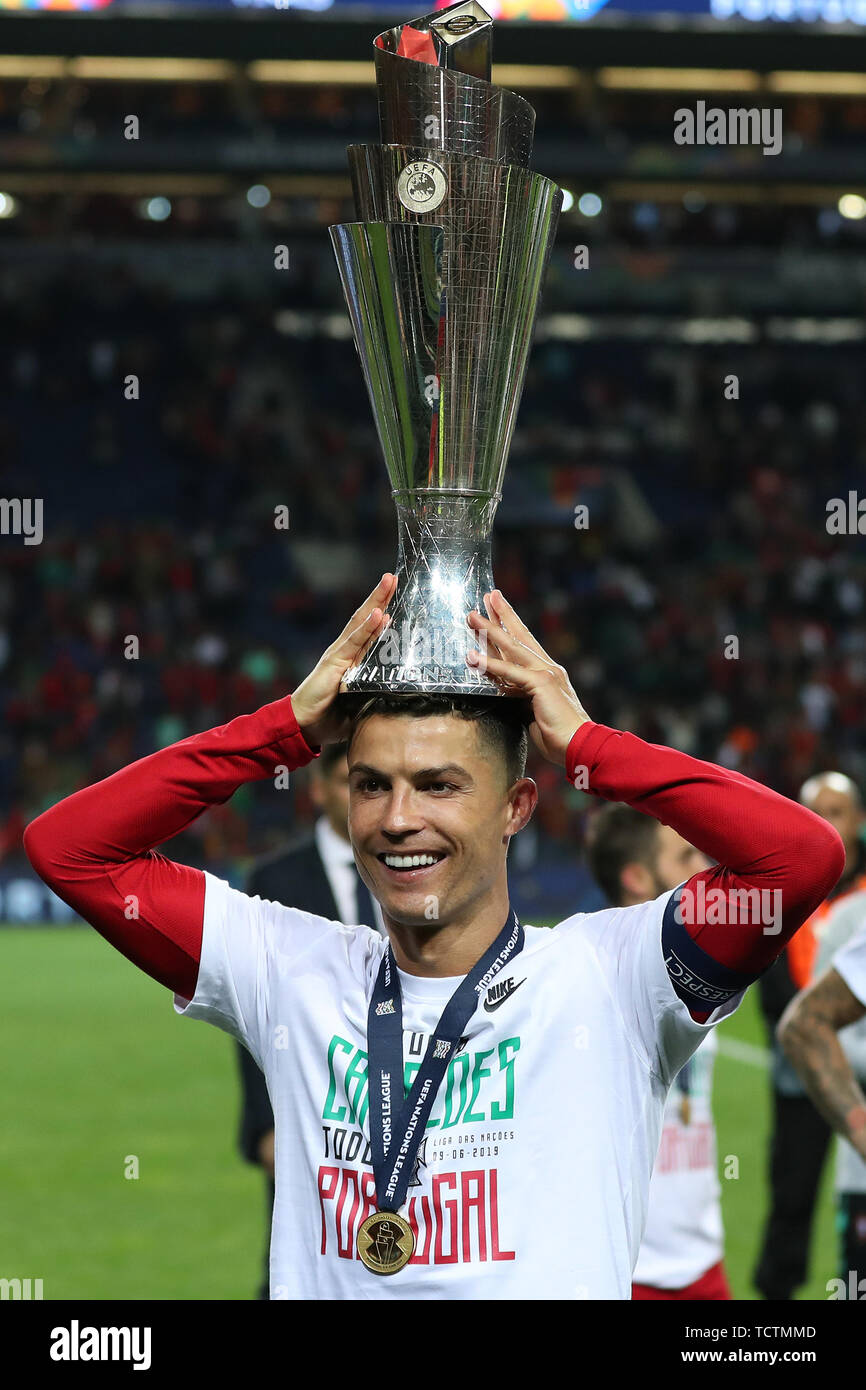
(410, 861)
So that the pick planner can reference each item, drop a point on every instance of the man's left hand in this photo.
(521, 666)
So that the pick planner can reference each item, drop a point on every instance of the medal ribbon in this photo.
(396, 1125)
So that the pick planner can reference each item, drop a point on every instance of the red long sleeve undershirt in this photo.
(95, 849)
(760, 839)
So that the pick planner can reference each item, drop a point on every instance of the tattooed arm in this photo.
(809, 1034)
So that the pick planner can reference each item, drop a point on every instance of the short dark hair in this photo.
(329, 757)
(618, 835)
(502, 720)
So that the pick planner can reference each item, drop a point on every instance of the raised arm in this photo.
(766, 845)
(95, 848)
(776, 860)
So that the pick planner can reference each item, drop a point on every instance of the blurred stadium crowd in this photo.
(706, 521)
(706, 502)
(585, 133)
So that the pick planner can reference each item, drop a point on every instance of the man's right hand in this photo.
(313, 701)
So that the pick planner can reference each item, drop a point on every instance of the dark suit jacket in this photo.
(296, 877)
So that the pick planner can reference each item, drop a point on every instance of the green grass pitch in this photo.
(98, 1068)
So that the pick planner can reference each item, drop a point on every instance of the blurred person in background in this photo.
(844, 922)
(800, 1134)
(823, 1034)
(635, 859)
(316, 874)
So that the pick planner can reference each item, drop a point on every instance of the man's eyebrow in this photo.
(422, 772)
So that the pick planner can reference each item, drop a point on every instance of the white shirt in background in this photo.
(339, 864)
(684, 1233)
(842, 944)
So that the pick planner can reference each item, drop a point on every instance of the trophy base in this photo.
(443, 573)
(413, 681)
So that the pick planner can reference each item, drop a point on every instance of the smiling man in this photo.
(471, 1107)
(436, 790)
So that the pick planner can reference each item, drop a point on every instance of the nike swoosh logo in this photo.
(497, 1002)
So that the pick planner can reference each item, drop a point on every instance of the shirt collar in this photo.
(331, 845)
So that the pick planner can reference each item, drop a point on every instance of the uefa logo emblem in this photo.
(422, 186)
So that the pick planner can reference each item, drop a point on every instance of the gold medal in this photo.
(385, 1242)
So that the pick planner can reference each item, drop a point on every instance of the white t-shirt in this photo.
(684, 1234)
(847, 923)
(534, 1172)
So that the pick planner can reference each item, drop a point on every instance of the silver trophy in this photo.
(442, 277)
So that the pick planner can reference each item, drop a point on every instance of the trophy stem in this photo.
(443, 571)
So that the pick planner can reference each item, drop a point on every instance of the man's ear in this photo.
(637, 880)
(317, 792)
(522, 799)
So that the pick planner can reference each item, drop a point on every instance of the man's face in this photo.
(330, 793)
(675, 860)
(843, 813)
(429, 786)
